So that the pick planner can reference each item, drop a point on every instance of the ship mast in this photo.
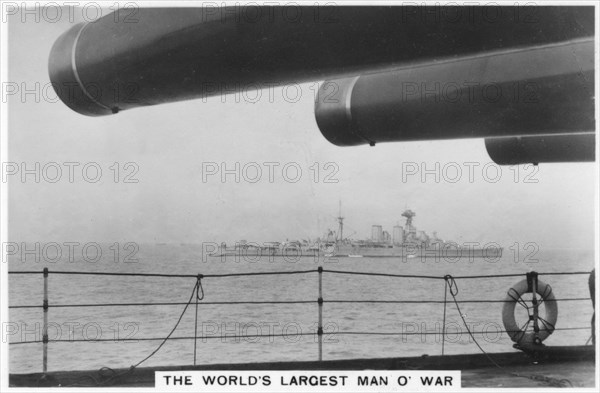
(341, 223)
(409, 214)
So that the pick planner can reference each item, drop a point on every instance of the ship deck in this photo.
(543, 369)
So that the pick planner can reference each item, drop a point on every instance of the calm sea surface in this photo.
(219, 323)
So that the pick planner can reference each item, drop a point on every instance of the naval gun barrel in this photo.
(160, 55)
(547, 89)
(545, 148)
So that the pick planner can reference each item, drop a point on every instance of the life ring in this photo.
(546, 323)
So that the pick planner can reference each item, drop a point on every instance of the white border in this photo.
(3, 203)
(4, 152)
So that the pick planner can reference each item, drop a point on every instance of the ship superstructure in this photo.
(405, 241)
(408, 241)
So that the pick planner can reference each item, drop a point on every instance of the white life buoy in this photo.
(546, 322)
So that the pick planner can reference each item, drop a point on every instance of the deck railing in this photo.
(197, 296)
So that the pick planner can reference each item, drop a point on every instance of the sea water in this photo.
(351, 329)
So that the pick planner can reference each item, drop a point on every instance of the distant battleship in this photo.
(403, 242)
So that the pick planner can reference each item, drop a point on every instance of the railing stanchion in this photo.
(320, 301)
(532, 283)
(196, 329)
(444, 320)
(45, 327)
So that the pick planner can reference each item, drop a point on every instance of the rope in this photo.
(260, 273)
(167, 304)
(454, 292)
(198, 298)
(382, 274)
(198, 294)
(430, 333)
(168, 275)
(519, 299)
(514, 295)
(197, 287)
(109, 274)
(437, 301)
(288, 272)
(520, 274)
(260, 335)
(549, 380)
(279, 302)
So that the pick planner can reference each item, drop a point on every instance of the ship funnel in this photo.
(161, 55)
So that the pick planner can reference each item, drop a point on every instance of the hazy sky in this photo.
(171, 144)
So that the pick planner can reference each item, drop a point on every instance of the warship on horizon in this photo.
(403, 242)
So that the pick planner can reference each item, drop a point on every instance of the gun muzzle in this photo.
(162, 55)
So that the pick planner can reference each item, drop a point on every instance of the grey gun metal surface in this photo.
(539, 59)
(173, 54)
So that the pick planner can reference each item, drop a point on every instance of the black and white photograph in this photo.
(353, 196)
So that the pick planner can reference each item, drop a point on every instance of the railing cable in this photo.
(289, 272)
(281, 302)
(198, 294)
(284, 335)
(549, 380)
(383, 274)
(194, 293)
(197, 286)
